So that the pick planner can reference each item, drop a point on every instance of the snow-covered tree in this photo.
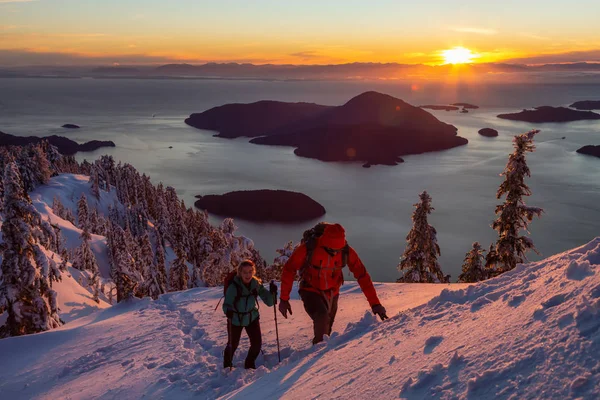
(179, 274)
(95, 181)
(84, 256)
(83, 212)
(514, 215)
(285, 253)
(69, 216)
(419, 262)
(156, 282)
(25, 291)
(57, 207)
(473, 269)
(94, 284)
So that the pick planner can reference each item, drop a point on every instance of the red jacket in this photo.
(329, 276)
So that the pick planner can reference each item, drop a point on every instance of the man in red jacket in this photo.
(321, 278)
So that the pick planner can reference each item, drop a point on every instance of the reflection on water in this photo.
(375, 205)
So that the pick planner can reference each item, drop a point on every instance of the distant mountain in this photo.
(254, 119)
(64, 145)
(550, 114)
(115, 71)
(372, 127)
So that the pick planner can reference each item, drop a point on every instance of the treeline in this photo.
(146, 227)
(419, 263)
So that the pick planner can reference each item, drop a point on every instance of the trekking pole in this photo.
(274, 293)
(229, 326)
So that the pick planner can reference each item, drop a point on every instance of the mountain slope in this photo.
(533, 332)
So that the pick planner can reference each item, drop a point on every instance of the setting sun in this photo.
(458, 55)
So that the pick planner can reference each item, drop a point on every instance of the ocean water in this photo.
(145, 117)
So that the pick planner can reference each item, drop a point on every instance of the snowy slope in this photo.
(531, 333)
(68, 189)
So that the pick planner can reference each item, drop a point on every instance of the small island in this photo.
(64, 145)
(438, 107)
(488, 132)
(71, 126)
(590, 150)
(465, 105)
(586, 105)
(262, 205)
(545, 114)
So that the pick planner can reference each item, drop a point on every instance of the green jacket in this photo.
(241, 299)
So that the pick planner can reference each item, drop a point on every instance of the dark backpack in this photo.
(310, 238)
(227, 281)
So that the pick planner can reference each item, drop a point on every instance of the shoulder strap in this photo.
(345, 255)
(238, 296)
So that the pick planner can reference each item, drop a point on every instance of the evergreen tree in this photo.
(57, 208)
(514, 215)
(473, 269)
(94, 284)
(284, 255)
(95, 180)
(69, 216)
(25, 292)
(157, 276)
(419, 261)
(179, 274)
(83, 212)
(84, 256)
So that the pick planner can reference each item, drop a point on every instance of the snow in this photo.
(68, 189)
(533, 332)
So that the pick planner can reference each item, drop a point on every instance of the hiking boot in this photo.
(249, 365)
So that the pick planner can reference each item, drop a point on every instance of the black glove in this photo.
(273, 288)
(284, 307)
(378, 309)
(229, 314)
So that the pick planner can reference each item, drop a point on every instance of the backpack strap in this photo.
(239, 295)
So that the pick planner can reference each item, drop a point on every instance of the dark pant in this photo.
(234, 334)
(322, 310)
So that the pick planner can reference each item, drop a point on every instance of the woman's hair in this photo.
(247, 263)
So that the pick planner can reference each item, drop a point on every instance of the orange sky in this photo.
(309, 32)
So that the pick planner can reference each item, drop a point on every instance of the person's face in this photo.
(247, 272)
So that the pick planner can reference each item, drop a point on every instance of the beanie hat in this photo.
(333, 237)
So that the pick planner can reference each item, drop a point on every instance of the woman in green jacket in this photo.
(241, 308)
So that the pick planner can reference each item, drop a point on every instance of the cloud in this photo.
(566, 57)
(306, 55)
(478, 31)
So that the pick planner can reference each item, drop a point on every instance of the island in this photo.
(465, 105)
(438, 107)
(71, 126)
(488, 132)
(371, 128)
(254, 119)
(264, 205)
(550, 114)
(64, 145)
(590, 150)
(586, 105)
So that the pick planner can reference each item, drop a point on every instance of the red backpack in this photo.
(308, 271)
